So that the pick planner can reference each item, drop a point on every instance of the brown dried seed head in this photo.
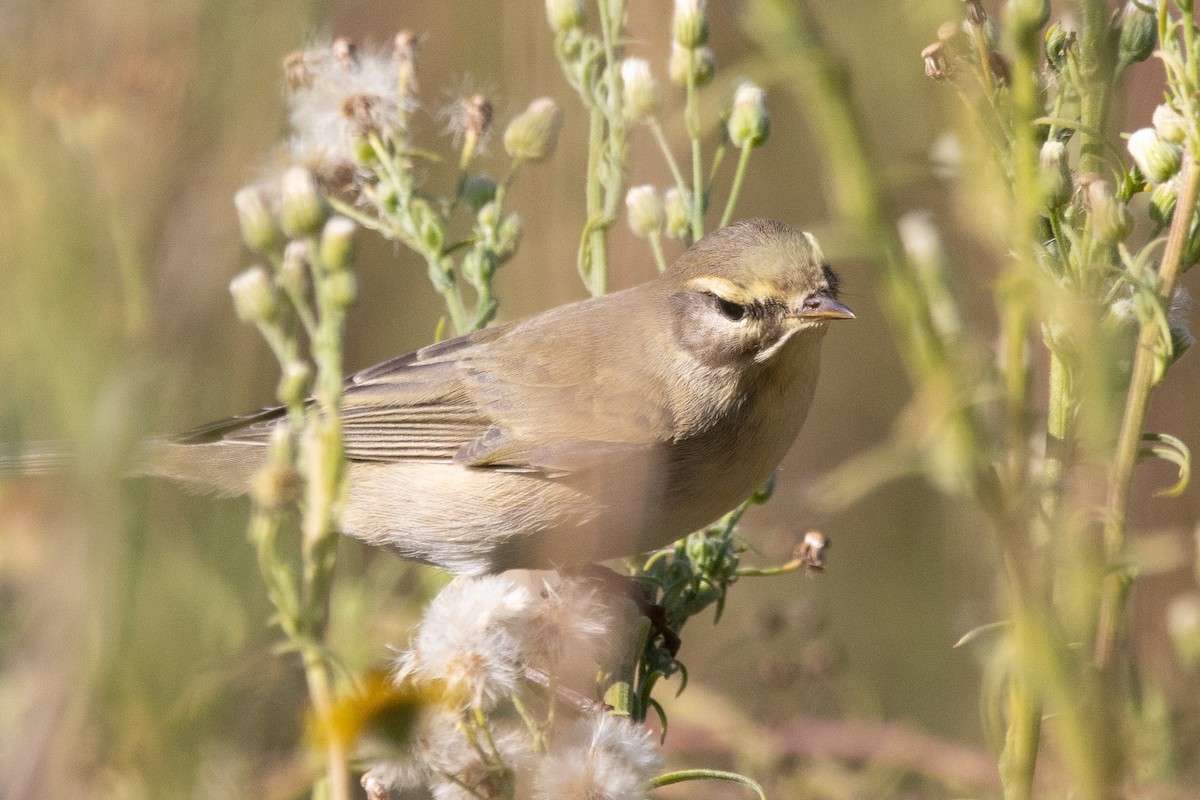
(365, 113)
(477, 114)
(936, 65)
(297, 70)
(975, 13)
(345, 53)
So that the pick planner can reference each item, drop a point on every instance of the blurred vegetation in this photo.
(134, 656)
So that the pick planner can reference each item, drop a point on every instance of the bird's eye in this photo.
(731, 310)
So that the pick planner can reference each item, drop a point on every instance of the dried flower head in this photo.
(678, 207)
(1157, 159)
(936, 65)
(598, 758)
(470, 640)
(337, 96)
(645, 209)
(1109, 214)
(1170, 124)
(639, 91)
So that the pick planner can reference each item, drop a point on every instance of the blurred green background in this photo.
(135, 655)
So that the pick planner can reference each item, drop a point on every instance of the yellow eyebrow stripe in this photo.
(737, 292)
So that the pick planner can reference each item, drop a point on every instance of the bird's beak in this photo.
(821, 306)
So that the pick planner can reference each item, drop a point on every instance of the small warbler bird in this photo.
(602, 428)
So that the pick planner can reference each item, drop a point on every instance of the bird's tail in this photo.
(32, 459)
(218, 468)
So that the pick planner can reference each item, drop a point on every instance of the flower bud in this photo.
(1024, 18)
(645, 208)
(337, 243)
(1058, 43)
(508, 237)
(1183, 625)
(254, 296)
(532, 135)
(478, 191)
(293, 271)
(1169, 124)
(698, 63)
(302, 209)
(689, 24)
(564, 15)
(1055, 174)
(749, 124)
(259, 228)
(277, 486)
(1110, 216)
(1139, 34)
(1162, 202)
(639, 91)
(1158, 160)
(342, 288)
(294, 383)
(678, 209)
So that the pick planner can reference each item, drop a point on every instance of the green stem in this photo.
(592, 251)
(661, 138)
(692, 118)
(1095, 72)
(1140, 385)
(656, 245)
(736, 188)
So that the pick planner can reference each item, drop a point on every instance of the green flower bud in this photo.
(1058, 44)
(639, 91)
(293, 271)
(259, 228)
(1183, 625)
(302, 209)
(277, 486)
(1158, 160)
(698, 62)
(488, 218)
(1139, 34)
(342, 288)
(689, 23)
(749, 124)
(564, 15)
(1024, 18)
(478, 191)
(337, 243)
(254, 296)
(532, 135)
(294, 383)
(1110, 216)
(678, 208)
(645, 211)
(1055, 174)
(508, 237)
(1162, 202)
(1170, 124)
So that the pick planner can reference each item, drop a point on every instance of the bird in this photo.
(606, 427)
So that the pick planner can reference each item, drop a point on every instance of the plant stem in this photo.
(656, 245)
(736, 188)
(1095, 59)
(692, 119)
(592, 251)
(661, 138)
(1133, 421)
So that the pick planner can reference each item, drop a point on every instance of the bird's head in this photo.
(743, 291)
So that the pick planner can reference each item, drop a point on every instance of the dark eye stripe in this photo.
(731, 310)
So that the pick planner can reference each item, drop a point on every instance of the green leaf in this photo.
(685, 775)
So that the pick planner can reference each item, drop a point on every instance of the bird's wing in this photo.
(537, 396)
(527, 397)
